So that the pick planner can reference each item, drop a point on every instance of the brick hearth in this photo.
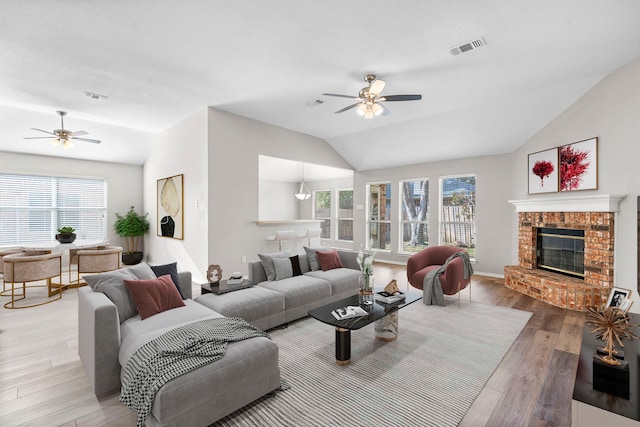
(557, 289)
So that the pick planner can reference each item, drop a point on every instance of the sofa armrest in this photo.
(184, 281)
(99, 340)
(256, 272)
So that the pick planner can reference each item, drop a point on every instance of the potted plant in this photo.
(66, 234)
(131, 227)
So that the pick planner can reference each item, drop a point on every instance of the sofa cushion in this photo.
(329, 260)
(283, 268)
(299, 291)
(112, 285)
(267, 263)
(172, 270)
(312, 259)
(135, 332)
(343, 280)
(154, 296)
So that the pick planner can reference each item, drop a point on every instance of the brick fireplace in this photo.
(595, 215)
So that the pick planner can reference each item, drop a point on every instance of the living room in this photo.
(218, 153)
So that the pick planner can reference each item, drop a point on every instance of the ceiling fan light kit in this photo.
(369, 103)
(63, 136)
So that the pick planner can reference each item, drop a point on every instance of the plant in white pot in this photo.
(131, 227)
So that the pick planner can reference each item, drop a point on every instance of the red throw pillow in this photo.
(329, 260)
(154, 296)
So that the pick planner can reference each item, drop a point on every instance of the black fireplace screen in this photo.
(561, 250)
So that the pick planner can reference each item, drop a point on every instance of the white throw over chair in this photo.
(282, 236)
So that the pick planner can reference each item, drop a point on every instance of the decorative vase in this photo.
(66, 237)
(365, 296)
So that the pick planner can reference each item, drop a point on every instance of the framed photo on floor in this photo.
(579, 165)
(170, 209)
(543, 171)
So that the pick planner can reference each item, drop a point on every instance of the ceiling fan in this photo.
(370, 102)
(64, 136)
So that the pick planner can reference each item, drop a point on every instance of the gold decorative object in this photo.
(214, 273)
(392, 287)
(610, 323)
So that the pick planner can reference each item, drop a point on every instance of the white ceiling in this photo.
(160, 61)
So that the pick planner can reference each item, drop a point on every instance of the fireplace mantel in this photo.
(597, 203)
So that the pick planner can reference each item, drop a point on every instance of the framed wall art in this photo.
(543, 171)
(579, 165)
(171, 207)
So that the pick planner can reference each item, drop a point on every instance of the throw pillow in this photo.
(112, 285)
(170, 269)
(329, 260)
(154, 296)
(295, 265)
(267, 263)
(283, 268)
(311, 256)
(142, 271)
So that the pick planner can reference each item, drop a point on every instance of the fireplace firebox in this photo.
(560, 250)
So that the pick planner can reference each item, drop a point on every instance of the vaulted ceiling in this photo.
(160, 61)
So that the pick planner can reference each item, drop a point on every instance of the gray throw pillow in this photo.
(267, 263)
(283, 268)
(112, 285)
(312, 259)
(142, 271)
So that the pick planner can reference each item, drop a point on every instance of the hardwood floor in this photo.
(43, 383)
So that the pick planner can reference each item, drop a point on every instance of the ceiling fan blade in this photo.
(348, 108)
(37, 137)
(95, 141)
(79, 133)
(377, 86)
(401, 98)
(45, 131)
(341, 96)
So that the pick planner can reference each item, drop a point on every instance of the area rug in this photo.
(429, 376)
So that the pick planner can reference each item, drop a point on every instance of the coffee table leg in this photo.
(386, 329)
(343, 346)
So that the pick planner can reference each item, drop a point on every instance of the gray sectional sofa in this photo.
(274, 302)
(248, 370)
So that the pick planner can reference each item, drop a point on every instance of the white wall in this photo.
(277, 201)
(493, 186)
(235, 143)
(181, 149)
(124, 182)
(610, 111)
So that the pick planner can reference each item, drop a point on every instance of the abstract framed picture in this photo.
(579, 165)
(543, 171)
(171, 207)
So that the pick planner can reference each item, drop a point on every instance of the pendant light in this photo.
(303, 192)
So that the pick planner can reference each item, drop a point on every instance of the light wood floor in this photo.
(43, 383)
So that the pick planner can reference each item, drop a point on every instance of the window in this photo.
(33, 207)
(345, 215)
(414, 211)
(458, 212)
(322, 211)
(379, 219)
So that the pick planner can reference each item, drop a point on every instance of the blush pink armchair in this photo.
(432, 258)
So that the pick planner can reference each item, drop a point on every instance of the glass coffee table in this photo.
(385, 316)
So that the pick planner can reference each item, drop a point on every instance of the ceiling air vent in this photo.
(467, 46)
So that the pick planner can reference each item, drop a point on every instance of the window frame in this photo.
(338, 218)
(473, 223)
(401, 221)
(379, 221)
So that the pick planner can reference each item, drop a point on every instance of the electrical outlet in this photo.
(244, 259)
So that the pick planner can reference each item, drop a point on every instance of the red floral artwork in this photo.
(542, 169)
(573, 164)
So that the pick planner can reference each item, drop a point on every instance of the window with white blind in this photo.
(33, 207)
